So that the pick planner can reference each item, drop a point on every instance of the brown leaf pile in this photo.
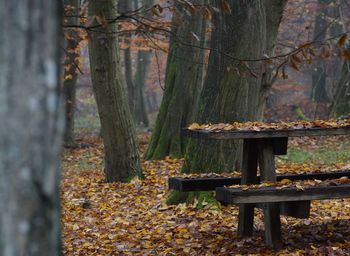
(133, 219)
(260, 126)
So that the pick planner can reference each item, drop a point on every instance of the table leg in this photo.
(271, 210)
(249, 171)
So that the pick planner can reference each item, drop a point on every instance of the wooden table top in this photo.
(266, 133)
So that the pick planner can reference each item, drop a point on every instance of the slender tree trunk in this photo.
(183, 83)
(32, 130)
(319, 88)
(71, 64)
(142, 68)
(230, 92)
(121, 155)
(341, 103)
(126, 6)
(140, 111)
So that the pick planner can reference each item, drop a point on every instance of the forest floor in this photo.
(133, 219)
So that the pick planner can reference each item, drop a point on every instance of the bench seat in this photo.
(211, 183)
(273, 194)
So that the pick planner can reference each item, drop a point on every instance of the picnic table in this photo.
(260, 145)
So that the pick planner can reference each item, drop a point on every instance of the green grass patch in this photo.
(203, 198)
(322, 155)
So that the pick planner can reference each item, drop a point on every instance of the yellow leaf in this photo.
(285, 181)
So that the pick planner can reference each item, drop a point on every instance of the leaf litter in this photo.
(133, 219)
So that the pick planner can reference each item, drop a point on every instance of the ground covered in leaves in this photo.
(133, 219)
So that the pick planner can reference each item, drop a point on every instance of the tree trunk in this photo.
(123, 7)
(341, 103)
(32, 129)
(71, 64)
(183, 83)
(121, 154)
(319, 88)
(140, 111)
(142, 67)
(230, 92)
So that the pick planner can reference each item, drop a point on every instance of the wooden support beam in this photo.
(249, 173)
(273, 236)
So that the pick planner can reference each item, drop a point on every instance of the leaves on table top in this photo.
(260, 126)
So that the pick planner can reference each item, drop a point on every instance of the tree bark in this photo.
(341, 103)
(183, 84)
(230, 93)
(123, 7)
(319, 88)
(121, 153)
(142, 67)
(32, 130)
(71, 64)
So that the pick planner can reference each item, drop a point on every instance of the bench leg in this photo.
(271, 210)
(272, 223)
(249, 171)
(246, 220)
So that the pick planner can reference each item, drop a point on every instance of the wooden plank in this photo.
(210, 184)
(272, 220)
(271, 194)
(224, 135)
(249, 172)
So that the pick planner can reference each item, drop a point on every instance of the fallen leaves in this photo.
(133, 219)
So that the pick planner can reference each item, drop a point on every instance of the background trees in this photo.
(71, 67)
(31, 132)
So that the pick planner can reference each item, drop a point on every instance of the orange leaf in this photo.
(226, 7)
(342, 40)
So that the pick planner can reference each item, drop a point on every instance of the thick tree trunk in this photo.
(183, 83)
(230, 92)
(32, 129)
(341, 103)
(71, 64)
(121, 155)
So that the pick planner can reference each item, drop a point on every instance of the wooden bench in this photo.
(291, 208)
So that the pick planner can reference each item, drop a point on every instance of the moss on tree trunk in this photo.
(182, 85)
